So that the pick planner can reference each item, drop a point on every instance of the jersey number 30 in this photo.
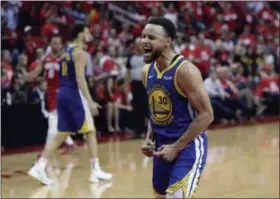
(64, 68)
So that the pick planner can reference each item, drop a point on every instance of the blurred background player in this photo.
(50, 65)
(75, 108)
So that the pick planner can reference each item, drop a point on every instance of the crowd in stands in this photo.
(234, 44)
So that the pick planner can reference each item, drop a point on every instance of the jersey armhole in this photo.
(145, 78)
(177, 87)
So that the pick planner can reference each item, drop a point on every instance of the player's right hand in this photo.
(148, 148)
(94, 109)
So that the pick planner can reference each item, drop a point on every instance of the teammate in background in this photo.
(50, 65)
(179, 113)
(75, 108)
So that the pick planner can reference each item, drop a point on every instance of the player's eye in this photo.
(151, 37)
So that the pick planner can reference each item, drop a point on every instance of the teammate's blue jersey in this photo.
(72, 107)
(67, 75)
(169, 111)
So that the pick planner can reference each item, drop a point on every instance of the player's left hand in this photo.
(167, 152)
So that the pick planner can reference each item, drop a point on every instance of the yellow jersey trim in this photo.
(182, 184)
(87, 132)
(160, 74)
(145, 78)
(85, 128)
(178, 89)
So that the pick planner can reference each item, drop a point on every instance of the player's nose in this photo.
(144, 41)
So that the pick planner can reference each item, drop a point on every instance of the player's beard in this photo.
(153, 56)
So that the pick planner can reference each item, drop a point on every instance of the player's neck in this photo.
(165, 60)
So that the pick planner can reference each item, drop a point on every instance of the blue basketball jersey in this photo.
(72, 107)
(169, 111)
(67, 75)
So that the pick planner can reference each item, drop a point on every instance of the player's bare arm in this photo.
(191, 83)
(30, 76)
(148, 145)
(80, 63)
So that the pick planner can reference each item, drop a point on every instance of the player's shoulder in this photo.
(144, 73)
(187, 68)
(145, 69)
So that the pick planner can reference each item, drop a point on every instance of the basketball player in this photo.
(51, 68)
(179, 113)
(74, 108)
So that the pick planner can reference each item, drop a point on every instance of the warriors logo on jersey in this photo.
(160, 105)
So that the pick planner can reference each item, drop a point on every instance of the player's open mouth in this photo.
(147, 52)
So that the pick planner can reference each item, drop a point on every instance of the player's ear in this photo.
(168, 41)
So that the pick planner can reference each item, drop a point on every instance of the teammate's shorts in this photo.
(180, 177)
(73, 112)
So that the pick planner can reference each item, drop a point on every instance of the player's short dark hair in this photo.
(77, 28)
(167, 25)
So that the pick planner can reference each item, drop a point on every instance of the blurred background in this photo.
(234, 44)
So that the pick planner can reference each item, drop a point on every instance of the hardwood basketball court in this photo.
(242, 162)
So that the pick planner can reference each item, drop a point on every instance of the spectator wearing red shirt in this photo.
(209, 13)
(94, 16)
(31, 44)
(50, 29)
(266, 13)
(194, 7)
(203, 54)
(268, 89)
(230, 16)
(264, 28)
(137, 30)
(108, 66)
(105, 28)
(247, 37)
(268, 85)
(122, 102)
(219, 26)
